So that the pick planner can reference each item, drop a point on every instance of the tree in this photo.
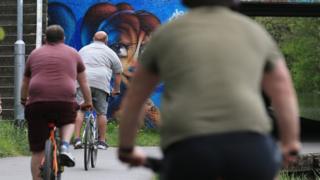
(299, 40)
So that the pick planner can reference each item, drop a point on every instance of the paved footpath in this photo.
(108, 167)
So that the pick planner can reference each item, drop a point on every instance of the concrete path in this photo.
(108, 167)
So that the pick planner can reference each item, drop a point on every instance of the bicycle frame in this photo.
(52, 138)
(90, 120)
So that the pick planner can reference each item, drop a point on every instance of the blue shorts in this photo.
(239, 155)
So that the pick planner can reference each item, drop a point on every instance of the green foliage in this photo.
(2, 34)
(148, 137)
(145, 137)
(291, 176)
(298, 39)
(13, 140)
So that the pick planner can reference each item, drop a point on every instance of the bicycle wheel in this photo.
(60, 169)
(86, 148)
(58, 177)
(47, 167)
(94, 148)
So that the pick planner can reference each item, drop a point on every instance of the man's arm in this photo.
(141, 86)
(24, 90)
(84, 87)
(278, 85)
(117, 69)
(117, 82)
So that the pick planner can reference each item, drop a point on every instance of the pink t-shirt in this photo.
(53, 71)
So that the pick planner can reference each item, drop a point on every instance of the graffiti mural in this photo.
(129, 25)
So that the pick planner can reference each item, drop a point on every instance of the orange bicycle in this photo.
(51, 169)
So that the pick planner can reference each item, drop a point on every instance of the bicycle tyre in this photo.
(59, 176)
(86, 146)
(47, 169)
(94, 149)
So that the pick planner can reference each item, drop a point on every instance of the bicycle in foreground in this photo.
(50, 168)
(90, 139)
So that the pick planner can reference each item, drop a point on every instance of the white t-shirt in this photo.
(100, 62)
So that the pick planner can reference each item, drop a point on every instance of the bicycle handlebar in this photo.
(155, 164)
(85, 107)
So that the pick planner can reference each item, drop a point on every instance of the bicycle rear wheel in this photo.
(58, 177)
(86, 148)
(47, 171)
(94, 149)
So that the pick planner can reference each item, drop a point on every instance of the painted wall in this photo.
(129, 24)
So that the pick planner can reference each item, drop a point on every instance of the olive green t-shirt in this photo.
(211, 62)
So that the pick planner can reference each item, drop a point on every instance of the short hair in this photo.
(54, 33)
(198, 3)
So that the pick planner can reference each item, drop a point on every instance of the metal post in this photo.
(39, 23)
(19, 62)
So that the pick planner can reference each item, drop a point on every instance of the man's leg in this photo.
(77, 131)
(37, 135)
(66, 132)
(36, 159)
(67, 122)
(100, 104)
(66, 157)
(78, 123)
(102, 127)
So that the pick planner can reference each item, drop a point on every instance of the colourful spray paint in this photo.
(129, 24)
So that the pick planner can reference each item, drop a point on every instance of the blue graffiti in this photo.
(128, 24)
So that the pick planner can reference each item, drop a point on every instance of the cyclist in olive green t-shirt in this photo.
(213, 63)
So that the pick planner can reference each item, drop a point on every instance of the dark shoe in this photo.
(66, 158)
(102, 145)
(77, 143)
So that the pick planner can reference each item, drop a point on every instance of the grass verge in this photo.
(287, 176)
(13, 140)
(145, 137)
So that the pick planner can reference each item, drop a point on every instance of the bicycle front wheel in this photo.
(47, 171)
(86, 146)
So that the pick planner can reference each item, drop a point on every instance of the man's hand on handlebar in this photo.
(133, 157)
(115, 92)
(86, 106)
(23, 101)
(290, 152)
